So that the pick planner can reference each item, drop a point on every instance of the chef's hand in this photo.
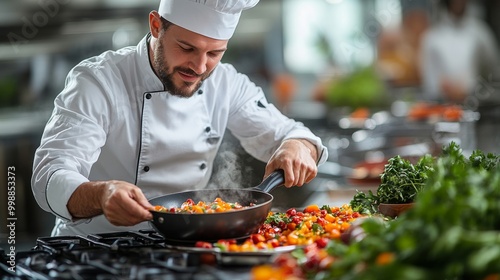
(122, 203)
(453, 91)
(297, 158)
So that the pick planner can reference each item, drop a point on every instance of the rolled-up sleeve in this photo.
(70, 144)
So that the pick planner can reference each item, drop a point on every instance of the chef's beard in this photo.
(166, 77)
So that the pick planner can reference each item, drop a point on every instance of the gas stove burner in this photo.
(152, 234)
(62, 243)
(120, 255)
(36, 260)
(46, 265)
(119, 240)
(151, 272)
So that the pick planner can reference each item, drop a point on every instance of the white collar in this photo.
(150, 81)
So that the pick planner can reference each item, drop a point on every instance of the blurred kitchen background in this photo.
(347, 69)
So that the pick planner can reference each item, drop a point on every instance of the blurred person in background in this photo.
(399, 49)
(458, 52)
(148, 120)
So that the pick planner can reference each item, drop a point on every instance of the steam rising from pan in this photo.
(234, 169)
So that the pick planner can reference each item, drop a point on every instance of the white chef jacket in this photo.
(114, 121)
(458, 50)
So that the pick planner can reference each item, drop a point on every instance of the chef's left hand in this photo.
(297, 158)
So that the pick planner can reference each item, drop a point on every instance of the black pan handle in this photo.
(275, 179)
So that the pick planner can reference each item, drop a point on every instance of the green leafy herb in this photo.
(327, 208)
(277, 218)
(364, 203)
(401, 181)
(452, 231)
(479, 160)
(317, 227)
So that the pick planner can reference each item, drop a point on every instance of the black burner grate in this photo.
(121, 255)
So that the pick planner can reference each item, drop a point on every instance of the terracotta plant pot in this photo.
(393, 210)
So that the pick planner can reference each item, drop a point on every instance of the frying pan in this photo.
(211, 227)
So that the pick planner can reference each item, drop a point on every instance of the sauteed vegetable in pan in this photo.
(190, 207)
(189, 228)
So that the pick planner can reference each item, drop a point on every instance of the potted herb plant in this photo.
(401, 181)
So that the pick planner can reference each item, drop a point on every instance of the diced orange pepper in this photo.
(245, 247)
(335, 234)
(197, 209)
(308, 224)
(233, 248)
(262, 245)
(292, 239)
(345, 226)
(311, 208)
(330, 218)
(159, 208)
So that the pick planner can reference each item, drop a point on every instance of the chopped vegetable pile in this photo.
(313, 225)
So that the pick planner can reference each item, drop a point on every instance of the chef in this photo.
(459, 53)
(147, 120)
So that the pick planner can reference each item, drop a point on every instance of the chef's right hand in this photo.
(453, 91)
(124, 204)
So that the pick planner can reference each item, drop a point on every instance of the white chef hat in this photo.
(212, 18)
